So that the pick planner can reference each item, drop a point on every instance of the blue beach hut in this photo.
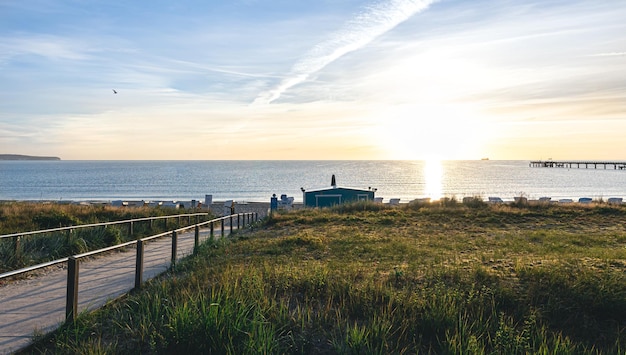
(327, 197)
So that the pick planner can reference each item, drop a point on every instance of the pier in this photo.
(616, 165)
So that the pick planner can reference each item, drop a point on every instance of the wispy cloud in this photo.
(47, 46)
(371, 23)
(610, 54)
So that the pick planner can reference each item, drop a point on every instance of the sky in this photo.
(326, 79)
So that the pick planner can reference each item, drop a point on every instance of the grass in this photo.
(447, 278)
(18, 217)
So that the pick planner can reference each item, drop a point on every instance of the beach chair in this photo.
(615, 200)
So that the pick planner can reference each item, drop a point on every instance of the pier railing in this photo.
(73, 262)
(616, 165)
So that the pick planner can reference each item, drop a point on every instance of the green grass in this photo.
(446, 278)
(18, 217)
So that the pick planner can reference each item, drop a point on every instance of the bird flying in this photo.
(115, 92)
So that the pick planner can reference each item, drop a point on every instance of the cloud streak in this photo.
(368, 25)
(610, 54)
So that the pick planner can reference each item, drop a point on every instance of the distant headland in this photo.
(25, 157)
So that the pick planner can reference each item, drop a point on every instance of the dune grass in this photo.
(441, 278)
(18, 217)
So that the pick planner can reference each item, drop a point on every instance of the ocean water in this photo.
(256, 181)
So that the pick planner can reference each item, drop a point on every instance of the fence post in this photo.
(68, 236)
(174, 246)
(196, 239)
(238, 222)
(231, 224)
(71, 300)
(139, 265)
(130, 230)
(18, 249)
(179, 220)
(222, 227)
(188, 220)
(211, 224)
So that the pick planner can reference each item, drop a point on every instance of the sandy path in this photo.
(37, 304)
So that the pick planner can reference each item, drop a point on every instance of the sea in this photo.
(257, 181)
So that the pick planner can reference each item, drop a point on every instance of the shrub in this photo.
(55, 219)
(474, 202)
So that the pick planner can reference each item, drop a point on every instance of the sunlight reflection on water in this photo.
(433, 174)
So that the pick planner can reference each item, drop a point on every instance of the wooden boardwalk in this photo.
(37, 304)
(615, 165)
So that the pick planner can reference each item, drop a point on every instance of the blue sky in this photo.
(341, 79)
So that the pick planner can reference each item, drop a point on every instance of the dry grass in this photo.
(18, 217)
(445, 279)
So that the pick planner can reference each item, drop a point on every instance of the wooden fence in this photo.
(73, 262)
(131, 222)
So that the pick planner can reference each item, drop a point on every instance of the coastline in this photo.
(20, 157)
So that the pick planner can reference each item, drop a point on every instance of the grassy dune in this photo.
(443, 278)
(18, 217)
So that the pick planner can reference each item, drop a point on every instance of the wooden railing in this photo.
(17, 245)
(73, 262)
(129, 221)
